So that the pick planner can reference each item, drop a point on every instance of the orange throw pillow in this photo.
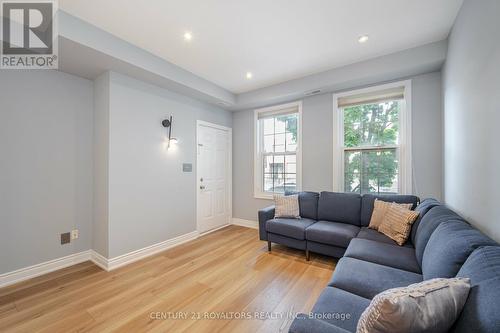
(380, 209)
(397, 223)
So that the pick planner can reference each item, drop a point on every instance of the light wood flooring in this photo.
(225, 273)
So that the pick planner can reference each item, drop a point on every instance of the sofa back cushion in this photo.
(449, 246)
(428, 224)
(367, 203)
(480, 312)
(340, 207)
(308, 205)
(422, 209)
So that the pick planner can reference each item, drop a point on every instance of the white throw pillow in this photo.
(429, 306)
(286, 206)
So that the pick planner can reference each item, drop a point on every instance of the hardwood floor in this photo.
(226, 273)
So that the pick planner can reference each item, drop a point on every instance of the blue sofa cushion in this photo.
(480, 313)
(428, 224)
(449, 246)
(423, 209)
(338, 301)
(368, 199)
(294, 228)
(327, 250)
(340, 207)
(331, 233)
(308, 204)
(400, 257)
(367, 279)
(289, 242)
(374, 235)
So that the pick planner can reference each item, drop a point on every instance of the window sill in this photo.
(263, 196)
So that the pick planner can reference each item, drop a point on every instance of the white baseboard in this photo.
(246, 223)
(212, 230)
(103, 262)
(43, 268)
(128, 258)
(99, 260)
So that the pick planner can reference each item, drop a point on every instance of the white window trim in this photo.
(405, 151)
(258, 190)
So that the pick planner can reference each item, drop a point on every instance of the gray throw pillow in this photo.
(286, 206)
(429, 306)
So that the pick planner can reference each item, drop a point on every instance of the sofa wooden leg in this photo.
(269, 246)
(307, 255)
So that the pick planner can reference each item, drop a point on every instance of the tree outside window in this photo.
(371, 138)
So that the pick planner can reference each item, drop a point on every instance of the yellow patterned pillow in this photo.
(397, 223)
(379, 210)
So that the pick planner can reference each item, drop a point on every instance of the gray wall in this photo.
(72, 161)
(427, 135)
(317, 154)
(46, 166)
(471, 87)
(100, 227)
(150, 199)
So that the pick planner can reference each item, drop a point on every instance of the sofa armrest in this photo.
(303, 324)
(265, 214)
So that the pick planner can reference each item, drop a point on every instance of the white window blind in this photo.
(372, 97)
(279, 112)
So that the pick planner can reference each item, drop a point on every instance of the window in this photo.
(373, 153)
(277, 150)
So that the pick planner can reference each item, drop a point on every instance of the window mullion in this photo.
(366, 148)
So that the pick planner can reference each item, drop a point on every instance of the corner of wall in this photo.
(100, 225)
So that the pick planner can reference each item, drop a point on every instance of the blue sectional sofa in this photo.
(441, 244)
(328, 223)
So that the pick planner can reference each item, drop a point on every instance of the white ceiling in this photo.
(277, 40)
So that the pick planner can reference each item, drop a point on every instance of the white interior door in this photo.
(213, 176)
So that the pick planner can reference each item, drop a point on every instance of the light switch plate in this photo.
(74, 234)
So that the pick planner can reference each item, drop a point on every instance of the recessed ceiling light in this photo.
(249, 75)
(188, 36)
(363, 39)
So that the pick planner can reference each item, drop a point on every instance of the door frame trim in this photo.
(229, 131)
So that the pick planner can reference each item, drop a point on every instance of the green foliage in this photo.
(291, 124)
(371, 125)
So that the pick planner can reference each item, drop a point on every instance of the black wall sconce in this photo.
(167, 123)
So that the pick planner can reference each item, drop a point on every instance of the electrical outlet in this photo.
(65, 238)
(74, 234)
